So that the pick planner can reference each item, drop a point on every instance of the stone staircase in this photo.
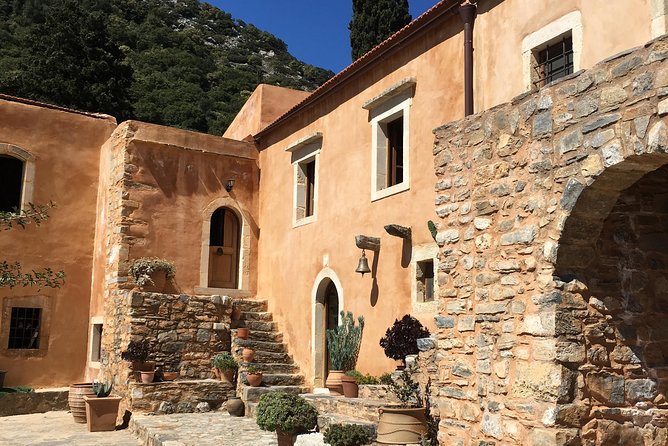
(279, 373)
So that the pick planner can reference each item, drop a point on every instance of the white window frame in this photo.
(550, 33)
(420, 254)
(396, 107)
(93, 343)
(304, 151)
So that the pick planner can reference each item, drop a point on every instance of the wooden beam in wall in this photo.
(366, 242)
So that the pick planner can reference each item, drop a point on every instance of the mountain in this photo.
(182, 63)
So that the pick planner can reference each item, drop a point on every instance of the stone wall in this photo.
(551, 223)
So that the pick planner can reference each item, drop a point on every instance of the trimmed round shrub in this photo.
(280, 411)
(400, 339)
(346, 435)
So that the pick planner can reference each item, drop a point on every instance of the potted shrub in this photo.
(400, 339)
(407, 422)
(226, 365)
(101, 409)
(137, 353)
(343, 344)
(253, 376)
(346, 435)
(288, 415)
(151, 273)
(349, 382)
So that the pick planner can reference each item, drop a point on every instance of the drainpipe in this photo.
(467, 12)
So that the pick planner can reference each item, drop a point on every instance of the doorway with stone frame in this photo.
(224, 238)
(326, 317)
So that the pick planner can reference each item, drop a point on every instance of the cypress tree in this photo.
(374, 21)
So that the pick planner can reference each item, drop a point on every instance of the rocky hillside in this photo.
(181, 63)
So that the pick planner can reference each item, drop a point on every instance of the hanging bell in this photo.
(363, 265)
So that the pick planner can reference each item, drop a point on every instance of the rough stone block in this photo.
(606, 387)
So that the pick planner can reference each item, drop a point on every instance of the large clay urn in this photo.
(248, 354)
(333, 382)
(235, 406)
(76, 400)
(401, 425)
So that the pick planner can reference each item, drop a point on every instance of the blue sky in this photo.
(316, 31)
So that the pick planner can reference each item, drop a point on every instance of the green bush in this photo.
(280, 411)
(363, 379)
(386, 379)
(343, 342)
(224, 361)
(346, 435)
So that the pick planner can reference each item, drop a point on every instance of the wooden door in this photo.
(331, 318)
(224, 250)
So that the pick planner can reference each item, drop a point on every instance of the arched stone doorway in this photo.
(328, 302)
(612, 320)
(224, 238)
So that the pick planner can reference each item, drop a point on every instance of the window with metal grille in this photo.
(24, 328)
(554, 61)
(11, 183)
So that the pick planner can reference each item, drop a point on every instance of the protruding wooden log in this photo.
(399, 231)
(366, 242)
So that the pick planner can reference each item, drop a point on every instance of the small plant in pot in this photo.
(343, 344)
(346, 435)
(226, 365)
(406, 423)
(137, 353)
(287, 415)
(101, 409)
(350, 384)
(151, 273)
(400, 339)
(253, 376)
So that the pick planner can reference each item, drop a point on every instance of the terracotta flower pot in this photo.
(235, 406)
(147, 377)
(138, 367)
(242, 333)
(285, 438)
(228, 375)
(101, 413)
(254, 379)
(248, 354)
(170, 376)
(350, 387)
(399, 425)
(333, 382)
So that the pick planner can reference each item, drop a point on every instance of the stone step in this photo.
(272, 367)
(250, 304)
(361, 408)
(253, 394)
(327, 419)
(260, 346)
(256, 316)
(267, 336)
(37, 401)
(272, 357)
(261, 325)
(277, 379)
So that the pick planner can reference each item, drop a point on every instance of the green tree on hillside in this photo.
(374, 21)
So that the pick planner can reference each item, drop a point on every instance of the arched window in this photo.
(11, 183)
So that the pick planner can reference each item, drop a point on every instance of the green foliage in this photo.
(400, 339)
(343, 342)
(385, 379)
(141, 269)
(374, 21)
(432, 229)
(346, 435)
(406, 389)
(102, 390)
(253, 370)
(137, 351)
(279, 411)
(224, 361)
(11, 273)
(363, 379)
(185, 64)
(17, 389)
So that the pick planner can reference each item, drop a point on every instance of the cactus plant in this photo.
(102, 390)
(343, 342)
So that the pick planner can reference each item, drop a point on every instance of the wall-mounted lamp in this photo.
(229, 185)
(363, 265)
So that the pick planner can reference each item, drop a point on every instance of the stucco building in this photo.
(532, 239)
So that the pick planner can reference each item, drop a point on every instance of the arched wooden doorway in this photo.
(328, 302)
(331, 319)
(224, 249)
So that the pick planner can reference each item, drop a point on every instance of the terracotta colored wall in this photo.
(291, 258)
(66, 149)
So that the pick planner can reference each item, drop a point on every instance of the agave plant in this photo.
(102, 390)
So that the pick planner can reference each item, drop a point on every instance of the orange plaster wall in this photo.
(66, 148)
(184, 172)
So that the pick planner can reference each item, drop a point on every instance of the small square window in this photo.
(553, 61)
(425, 281)
(96, 343)
(24, 328)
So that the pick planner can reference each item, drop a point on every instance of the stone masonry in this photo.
(552, 226)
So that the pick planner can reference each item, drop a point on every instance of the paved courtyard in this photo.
(201, 429)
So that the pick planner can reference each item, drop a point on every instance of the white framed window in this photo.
(553, 51)
(424, 278)
(390, 138)
(305, 163)
(17, 175)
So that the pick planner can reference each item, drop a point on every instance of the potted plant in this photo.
(248, 354)
(407, 422)
(288, 415)
(101, 409)
(253, 376)
(346, 435)
(349, 382)
(151, 273)
(242, 332)
(226, 365)
(400, 339)
(343, 344)
(137, 353)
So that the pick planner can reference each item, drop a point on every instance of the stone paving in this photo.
(56, 429)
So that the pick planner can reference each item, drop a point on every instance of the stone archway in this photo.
(612, 320)
(327, 293)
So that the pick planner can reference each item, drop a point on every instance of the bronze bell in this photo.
(363, 265)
